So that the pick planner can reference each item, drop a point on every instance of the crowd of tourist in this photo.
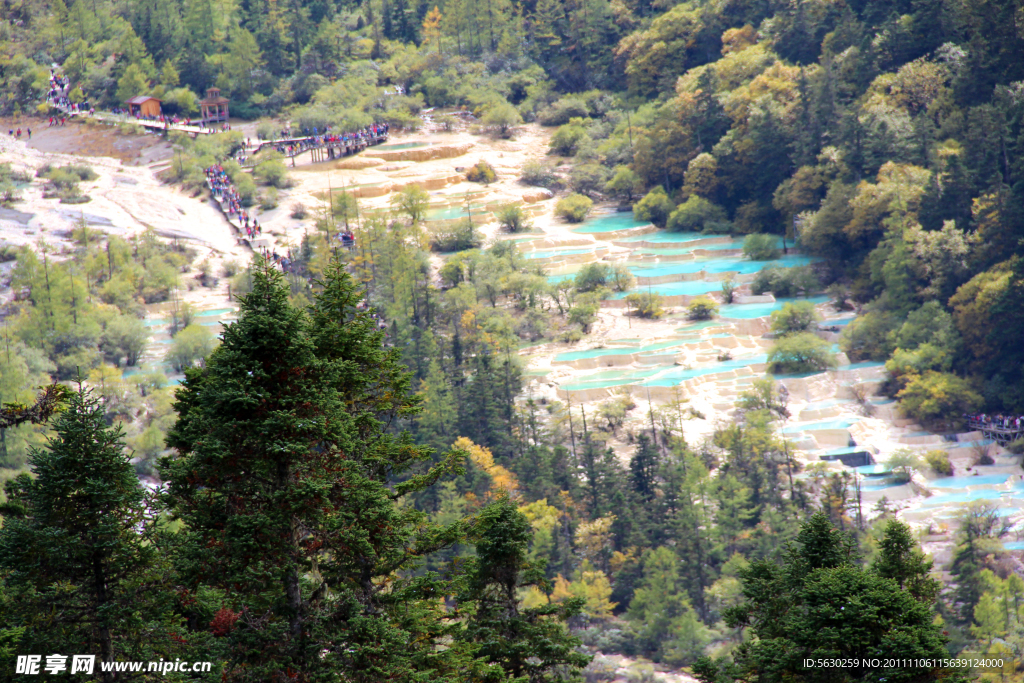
(1007, 422)
(316, 138)
(230, 201)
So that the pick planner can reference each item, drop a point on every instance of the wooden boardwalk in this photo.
(998, 433)
(318, 152)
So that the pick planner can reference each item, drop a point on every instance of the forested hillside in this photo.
(885, 139)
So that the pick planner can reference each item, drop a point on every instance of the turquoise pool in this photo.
(670, 237)
(450, 213)
(611, 222)
(550, 253)
(964, 482)
(404, 145)
(750, 311)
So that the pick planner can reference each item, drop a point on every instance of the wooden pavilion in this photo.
(214, 107)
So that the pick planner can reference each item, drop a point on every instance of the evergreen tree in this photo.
(284, 476)
(77, 548)
(527, 644)
(819, 603)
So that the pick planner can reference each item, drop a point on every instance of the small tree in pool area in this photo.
(702, 308)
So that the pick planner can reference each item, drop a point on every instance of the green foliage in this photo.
(645, 304)
(125, 337)
(702, 308)
(794, 317)
(482, 172)
(568, 138)
(512, 218)
(625, 184)
(785, 282)
(868, 337)
(538, 174)
(574, 208)
(845, 611)
(654, 207)
(412, 201)
(65, 554)
(697, 214)
(518, 641)
(270, 170)
(592, 276)
(457, 235)
(938, 399)
(667, 627)
(938, 460)
(193, 344)
(800, 352)
(327, 388)
(502, 118)
(761, 247)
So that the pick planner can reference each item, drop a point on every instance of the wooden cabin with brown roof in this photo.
(144, 106)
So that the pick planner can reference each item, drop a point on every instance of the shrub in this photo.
(902, 464)
(563, 111)
(1016, 447)
(572, 335)
(194, 343)
(591, 276)
(267, 130)
(502, 119)
(729, 291)
(483, 172)
(620, 278)
(512, 218)
(646, 304)
(299, 211)
(584, 315)
(454, 235)
(938, 400)
(761, 247)
(785, 282)
(625, 184)
(793, 318)
(574, 208)
(702, 308)
(654, 207)
(567, 138)
(938, 460)
(588, 179)
(867, 337)
(801, 352)
(272, 171)
(268, 200)
(697, 214)
(539, 174)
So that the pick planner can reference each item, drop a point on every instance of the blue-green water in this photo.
(964, 482)
(550, 253)
(689, 288)
(403, 145)
(727, 264)
(670, 237)
(751, 311)
(610, 222)
(449, 213)
(818, 426)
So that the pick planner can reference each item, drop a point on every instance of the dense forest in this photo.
(422, 518)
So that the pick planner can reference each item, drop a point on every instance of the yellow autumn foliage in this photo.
(502, 481)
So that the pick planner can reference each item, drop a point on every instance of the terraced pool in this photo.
(610, 222)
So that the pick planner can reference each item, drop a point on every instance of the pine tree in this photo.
(285, 478)
(526, 643)
(77, 547)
